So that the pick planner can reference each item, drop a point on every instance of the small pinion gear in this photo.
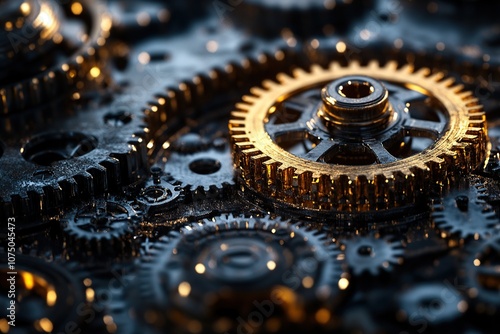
(100, 228)
(346, 138)
(372, 255)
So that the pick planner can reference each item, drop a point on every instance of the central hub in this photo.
(355, 104)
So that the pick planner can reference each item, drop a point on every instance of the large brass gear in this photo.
(460, 141)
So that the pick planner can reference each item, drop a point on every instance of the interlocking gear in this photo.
(47, 296)
(205, 173)
(372, 255)
(101, 228)
(464, 213)
(356, 138)
(222, 268)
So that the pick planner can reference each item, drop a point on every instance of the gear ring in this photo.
(272, 171)
(200, 271)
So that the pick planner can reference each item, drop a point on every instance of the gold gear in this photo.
(272, 171)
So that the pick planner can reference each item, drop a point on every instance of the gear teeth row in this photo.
(267, 169)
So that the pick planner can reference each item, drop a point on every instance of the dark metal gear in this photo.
(45, 58)
(100, 229)
(481, 277)
(432, 307)
(372, 255)
(47, 296)
(465, 214)
(49, 169)
(215, 271)
(205, 174)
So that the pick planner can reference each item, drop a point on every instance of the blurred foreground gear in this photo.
(213, 273)
(465, 214)
(48, 299)
(356, 138)
(481, 277)
(49, 49)
(100, 229)
(302, 18)
(372, 255)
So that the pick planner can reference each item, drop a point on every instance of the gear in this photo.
(481, 278)
(47, 296)
(465, 214)
(157, 194)
(220, 269)
(100, 228)
(37, 39)
(91, 156)
(301, 18)
(372, 255)
(437, 305)
(205, 174)
(351, 148)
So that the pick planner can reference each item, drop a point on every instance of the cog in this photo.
(221, 268)
(465, 214)
(439, 305)
(372, 255)
(100, 228)
(481, 278)
(49, 60)
(205, 173)
(359, 143)
(47, 296)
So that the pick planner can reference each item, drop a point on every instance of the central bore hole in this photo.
(355, 89)
(205, 166)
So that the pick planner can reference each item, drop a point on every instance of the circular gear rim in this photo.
(305, 183)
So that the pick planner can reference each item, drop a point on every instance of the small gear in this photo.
(205, 174)
(157, 194)
(372, 255)
(437, 306)
(35, 38)
(300, 18)
(221, 269)
(47, 297)
(100, 228)
(465, 214)
(356, 138)
(481, 278)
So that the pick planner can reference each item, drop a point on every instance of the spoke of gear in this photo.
(101, 228)
(372, 255)
(217, 269)
(356, 138)
(465, 214)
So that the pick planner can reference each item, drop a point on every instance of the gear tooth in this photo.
(457, 88)
(316, 69)
(257, 91)
(373, 64)
(465, 95)
(270, 84)
(423, 72)
(283, 78)
(298, 73)
(334, 67)
(239, 114)
(448, 82)
(242, 108)
(391, 65)
(407, 68)
(250, 99)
